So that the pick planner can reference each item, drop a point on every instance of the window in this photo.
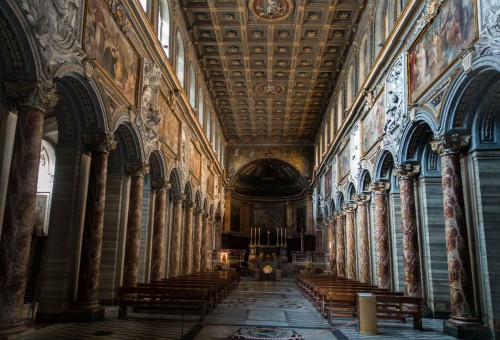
(381, 24)
(164, 25)
(207, 131)
(201, 106)
(179, 65)
(340, 108)
(144, 4)
(192, 87)
(364, 60)
(351, 90)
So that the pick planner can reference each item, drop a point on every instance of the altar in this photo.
(266, 251)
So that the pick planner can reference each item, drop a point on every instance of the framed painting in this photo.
(343, 162)
(114, 53)
(269, 217)
(170, 126)
(372, 125)
(41, 212)
(454, 28)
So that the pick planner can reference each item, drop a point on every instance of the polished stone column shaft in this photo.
(364, 243)
(457, 243)
(7, 135)
(197, 240)
(333, 249)
(382, 229)
(205, 243)
(340, 245)
(91, 247)
(411, 255)
(137, 172)
(158, 253)
(187, 254)
(174, 266)
(33, 99)
(351, 241)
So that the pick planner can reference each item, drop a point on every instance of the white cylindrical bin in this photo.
(367, 313)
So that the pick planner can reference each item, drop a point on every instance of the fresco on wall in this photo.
(105, 42)
(372, 126)
(328, 182)
(195, 162)
(453, 29)
(344, 164)
(268, 217)
(170, 126)
(210, 183)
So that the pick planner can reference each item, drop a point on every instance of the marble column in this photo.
(33, 100)
(137, 171)
(406, 174)
(364, 243)
(88, 278)
(187, 254)
(379, 190)
(7, 134)
(351, 240)
(333, 248)
(158, 253)
(340, 244)
(198, 215)
(175, 269)
(227, 208)
(206, 243)
(457, 243)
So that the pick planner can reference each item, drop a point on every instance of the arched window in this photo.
(207, 131)
(332, 124)
(340, 108)
(351, 90)
(164, 25)
(144, 4)
(364, 59)
(192, 86)
(201, 106)
(179, 64)
(381, 24)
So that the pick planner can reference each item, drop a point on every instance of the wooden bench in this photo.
(400, 308)
(163, 298)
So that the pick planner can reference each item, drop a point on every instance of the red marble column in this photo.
(364, 243)
(198, 214)
(383, 248)
(157, 257)
(340, 244)
(187, 254)
(457, 243)
(33, 99)
(90, 260)
(205, 243)
(175, 245)
(333, 249)
(351, 241)
(137, 172)
(411, 255)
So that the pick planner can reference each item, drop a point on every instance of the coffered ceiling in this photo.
(271, 64)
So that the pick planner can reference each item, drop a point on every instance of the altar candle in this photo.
(285, 233)
(259, 233)
(251, 235)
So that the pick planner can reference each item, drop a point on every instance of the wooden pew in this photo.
(162, 298)
(400, 308)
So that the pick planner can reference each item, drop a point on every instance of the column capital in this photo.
(406, 171)
(337, 214)
(205, 216)
(380, 188)
(137, 169)
(178, 197)
(35, 94)
(161, 185)
(100, 142)
(362, 199)
(198, 211)
(188, 205)
(450, 143)
(349, 207)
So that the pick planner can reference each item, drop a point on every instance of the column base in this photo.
(82, 314)
(466, 330)
(16, 331)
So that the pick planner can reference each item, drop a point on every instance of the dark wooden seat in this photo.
(400, 308)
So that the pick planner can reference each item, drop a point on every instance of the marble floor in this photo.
(256, 310)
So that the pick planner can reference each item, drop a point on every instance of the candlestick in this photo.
(259, 236)
(285, 236)
(251, 236)
(277, 236)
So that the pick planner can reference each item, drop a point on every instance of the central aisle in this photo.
(265, 309)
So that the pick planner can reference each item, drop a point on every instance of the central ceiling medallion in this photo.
(271, 10)
(269, 89)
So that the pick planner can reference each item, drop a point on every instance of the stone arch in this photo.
(129, 140)
(416, 148)
(364, 182)
(383, 170)
(340, 200)
(157, 165)
(175, 180)
(205, 205)
(197, 200)
(350, 192)
(188, 191)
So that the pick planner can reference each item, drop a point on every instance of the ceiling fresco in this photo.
(271, 64)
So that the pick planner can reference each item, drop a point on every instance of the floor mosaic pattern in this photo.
(256, 310)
